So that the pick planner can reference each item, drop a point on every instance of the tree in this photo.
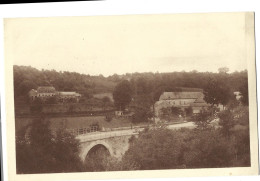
(216, 92)
(223, 70)
(38, 150)
(233, 102)
(155, 149)
(161, 148)
(36, 106)
(142, 86)
(203, 120)
(208, 149)
(226, 121)
(105, 101)
(34, 152)
(122, 94)
(158, 92)
(188, 111)
(244, 91)
(26, 86)
(141, 114)
(66, 152)
(142, 107)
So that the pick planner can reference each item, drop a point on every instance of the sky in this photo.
(129, 43)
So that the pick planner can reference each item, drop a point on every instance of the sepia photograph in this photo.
(129, 93)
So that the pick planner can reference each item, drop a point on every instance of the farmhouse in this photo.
(42, 92)
(182, 100)
(67, 96)
(45, 92)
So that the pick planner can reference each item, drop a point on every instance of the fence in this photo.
(82, 131)
(111, 132)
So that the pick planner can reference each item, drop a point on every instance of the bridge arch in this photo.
(86, 148)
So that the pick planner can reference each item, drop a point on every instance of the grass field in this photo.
(80, 122)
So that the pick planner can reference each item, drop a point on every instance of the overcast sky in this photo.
(125, 44)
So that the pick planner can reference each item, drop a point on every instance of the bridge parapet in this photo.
(105, 135)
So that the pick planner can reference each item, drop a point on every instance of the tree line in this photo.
(152, 84)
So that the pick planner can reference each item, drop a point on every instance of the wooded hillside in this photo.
(26, 78)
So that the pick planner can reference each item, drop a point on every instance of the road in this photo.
(182, 125)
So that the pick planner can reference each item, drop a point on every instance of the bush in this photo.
(40, 151)
(203, 120)
(226, 121)
(161, 148)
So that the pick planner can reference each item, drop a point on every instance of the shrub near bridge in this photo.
(40, 151)
(162, 148)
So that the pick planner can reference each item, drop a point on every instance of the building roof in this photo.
(181, 95)
(189, 89)
(32, 92)
(46, 89)
(199, 100)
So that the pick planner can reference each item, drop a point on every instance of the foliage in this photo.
(217, 92)
(203, 120)
(176, 111)
(141, 114)
(157, 149)
(40, 151)
(242, 115)
(233, 102)
(36, 106)
(242, 146)
(223, 70)
(104, 162)
(162, 148)
(226, 121)
(27, 78)
(105, 101)
(244, 91)
(51, 100)
(142, 107)
(152, 84)
(208, 149)
(122, 94)
(188, 111)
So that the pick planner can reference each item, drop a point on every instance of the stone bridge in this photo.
(116, 142)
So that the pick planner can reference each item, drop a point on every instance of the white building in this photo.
(181, 100)
(45, 92)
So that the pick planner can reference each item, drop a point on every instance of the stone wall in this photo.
(117, 146)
